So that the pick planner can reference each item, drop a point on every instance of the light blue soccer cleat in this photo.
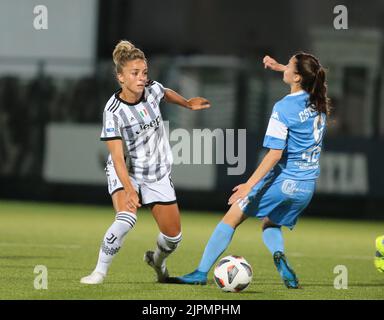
(195, 277)
(285, 271)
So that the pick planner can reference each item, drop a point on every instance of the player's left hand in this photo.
(241, 191)
(270, 63)
(198, 103)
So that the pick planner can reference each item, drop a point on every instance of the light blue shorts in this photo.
(279, 199)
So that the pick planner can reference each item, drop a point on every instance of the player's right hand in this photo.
(240, 192)
(132, 200)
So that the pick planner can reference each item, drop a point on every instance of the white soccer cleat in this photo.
(93, 278)
(162, 272)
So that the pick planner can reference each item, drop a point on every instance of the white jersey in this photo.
(140, 126)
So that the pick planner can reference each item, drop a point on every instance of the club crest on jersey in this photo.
(153, 124)
(110, 127)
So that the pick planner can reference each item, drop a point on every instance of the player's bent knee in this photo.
(120, 204)
(266, 223)
(126, 208)
(234, 216)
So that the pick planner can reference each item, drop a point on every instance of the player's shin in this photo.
(273, 239)
(113, 240)
(219, 241)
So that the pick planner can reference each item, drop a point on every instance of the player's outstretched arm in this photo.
(269, 161)
(196, 103)
(273, 64)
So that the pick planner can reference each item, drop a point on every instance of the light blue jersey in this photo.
(288, 188)
(298, 129)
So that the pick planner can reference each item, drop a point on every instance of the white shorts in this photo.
(158, 192)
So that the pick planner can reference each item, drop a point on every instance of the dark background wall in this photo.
(71, 86)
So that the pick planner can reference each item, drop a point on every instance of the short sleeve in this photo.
(111, 126)
(277, 131)
(158, 89)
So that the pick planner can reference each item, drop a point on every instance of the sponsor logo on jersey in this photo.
(153, 124)
(289, 187)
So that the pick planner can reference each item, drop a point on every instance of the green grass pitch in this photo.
(66, 238)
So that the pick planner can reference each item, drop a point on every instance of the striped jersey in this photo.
(140, 126)
(298, 129)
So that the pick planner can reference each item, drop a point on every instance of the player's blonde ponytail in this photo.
(125, 51)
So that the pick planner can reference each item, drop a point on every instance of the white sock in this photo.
(113, 239)
(165, 246)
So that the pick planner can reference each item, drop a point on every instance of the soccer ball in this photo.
(380, 245)
(379, 258)
(233, 274)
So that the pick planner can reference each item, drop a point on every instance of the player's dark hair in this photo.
(313, 81)
(125, 51)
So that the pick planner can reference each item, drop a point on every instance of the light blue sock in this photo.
(273, 239)
(219, 241)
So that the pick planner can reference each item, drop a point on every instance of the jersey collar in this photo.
(117, 96)
(296, 93)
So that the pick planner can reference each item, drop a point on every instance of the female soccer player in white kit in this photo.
(140, 160)
(283, 184)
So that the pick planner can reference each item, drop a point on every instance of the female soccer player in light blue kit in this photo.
(284, 182)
